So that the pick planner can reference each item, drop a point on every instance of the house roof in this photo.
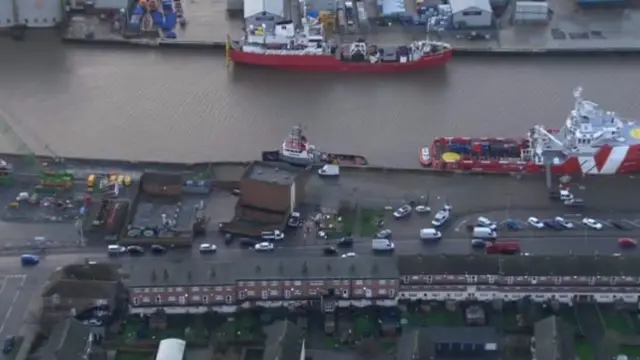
(73, 289)
(518, 265)
(201, 273)
(554, 339)
(462, 5)
(69, 340)
(284, 341)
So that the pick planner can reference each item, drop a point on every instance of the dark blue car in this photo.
(29, 260)
(512, 225)
(552, 224)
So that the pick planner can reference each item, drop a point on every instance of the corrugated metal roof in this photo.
(462, 5)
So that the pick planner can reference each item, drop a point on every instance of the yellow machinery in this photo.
(91, 183)
(328, 20)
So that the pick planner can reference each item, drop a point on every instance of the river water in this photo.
(145, 104)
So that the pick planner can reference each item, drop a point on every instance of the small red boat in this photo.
(307, 50)
(592, 142)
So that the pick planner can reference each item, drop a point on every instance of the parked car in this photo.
(294, 220)
(627, 243)
(330, 251)
(441, 218)
(535, 222)
(135, 250)
(349, 255)
(484, 222)
(552, 224)
(247, 243)
(207, 248)
(592, 223)
(512, 225)
(384, 234)
(566, 224)
(574, 202)
(478, 243)
(402, 211)
(503, 247)
(422, 209)
(345, 242)
(9, 344)
(158, 249)
(264, 246)
(115, 250)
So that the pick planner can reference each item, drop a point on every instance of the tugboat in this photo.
(296, 150)
(592, 142)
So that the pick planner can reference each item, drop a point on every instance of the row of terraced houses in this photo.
(197, 287)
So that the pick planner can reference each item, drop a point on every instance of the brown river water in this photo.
(149, 104)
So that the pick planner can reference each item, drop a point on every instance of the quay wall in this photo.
(458, 51)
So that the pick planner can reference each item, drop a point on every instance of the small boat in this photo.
(592, 142)
(284, 47)
(296, 150)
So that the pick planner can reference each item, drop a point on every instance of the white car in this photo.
(264, 246)
(484, 222)
(422, 209)
(535, 222)
(560, 220)
(207, 248)
(402, 211)
(348, 255)
(589, 222)
(441, 217)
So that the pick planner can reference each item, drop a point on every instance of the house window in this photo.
(205, 299)
(358, 282)
(510, 280)
(592, 280)
(613, 280)
(182, 300)
(241, 295)
(265, 294)
(382, 282)
(228, 299)
(287, 294)
(472, 13)
(557, 280)
(136, 301)
(55, 299)
(429, 279)
(405, 279)
(492, 279)
(534, 279)
(392, 293)
(472, 279)
(158, 300)
(345, 293)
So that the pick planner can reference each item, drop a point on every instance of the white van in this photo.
(329, 170)
(382, 245)
(114, 250)
(430, 234)
(480, 232)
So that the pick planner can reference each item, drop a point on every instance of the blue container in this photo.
(158, 18)
(170, 22)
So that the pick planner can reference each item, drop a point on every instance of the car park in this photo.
(207, 248)
(330, 251)
(620, 226)
(441, 218)
(349, 255)
(535, 222)
(566, 224)
(158, 249)
(422, 209)
(294, 220)
(552, 224)
(592, 223)
(627, 243)
(264, 246)
(484, 222)
(402, 212)
(384, 234)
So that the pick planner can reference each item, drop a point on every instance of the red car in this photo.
(503, 247)
(627, 243)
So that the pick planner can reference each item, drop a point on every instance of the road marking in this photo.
(13, 302)
(461, 224)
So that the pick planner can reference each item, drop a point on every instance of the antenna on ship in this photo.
(577, 94)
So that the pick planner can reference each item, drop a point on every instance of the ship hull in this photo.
(608, 160)
(330, 158)
(329, 63)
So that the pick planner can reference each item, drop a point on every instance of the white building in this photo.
(263, 12)
(471, 13)
(33, 14)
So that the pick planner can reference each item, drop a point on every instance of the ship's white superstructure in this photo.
(32, 14)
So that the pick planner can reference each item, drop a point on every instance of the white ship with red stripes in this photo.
(592, 142)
